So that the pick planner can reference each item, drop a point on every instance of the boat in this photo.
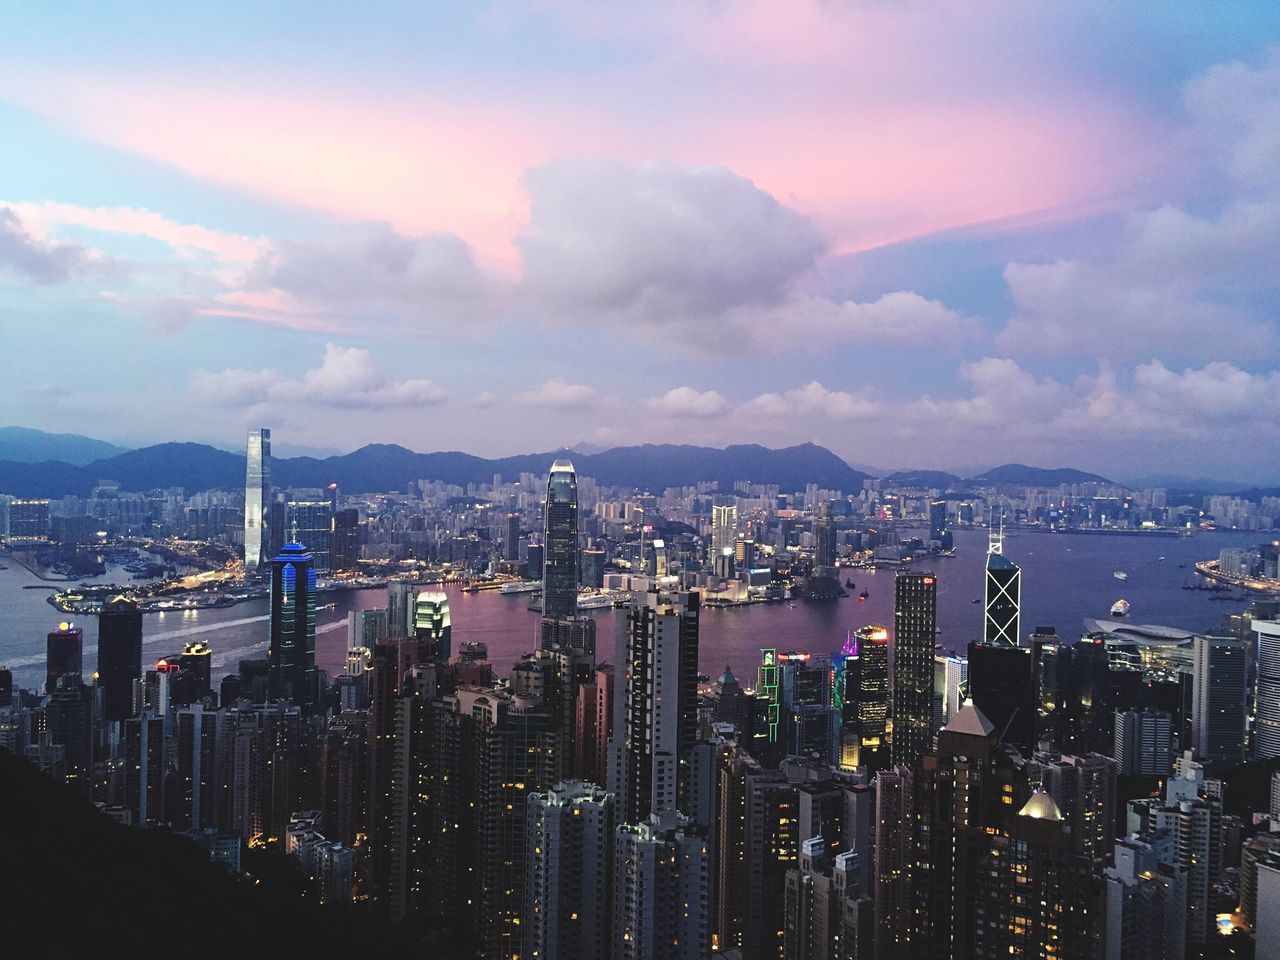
(595, 601)
(863, 595)
(1120, 608)
(850, 584)
(521, 586)
(1119, 574)
(975, 600)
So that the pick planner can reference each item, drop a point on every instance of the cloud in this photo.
(812, 399)
(688, 402)
(902, 317)
(557, 395)
(348, 377)
(657, 244)
(36, 259)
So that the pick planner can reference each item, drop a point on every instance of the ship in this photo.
(863, 595)
(595, 601)
(1120, 608)
(521, 586)
(1119, 574)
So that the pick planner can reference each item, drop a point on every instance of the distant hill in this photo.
(24, 445)
(925, 479)
(1019, 474)
(380, 467)
(1257, 493)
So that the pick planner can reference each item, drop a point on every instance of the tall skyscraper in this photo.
(560, 559)
(656, 710)
(938, 520)
(1003, 595)
(365, 627)
(119, 655)
(432, 627)
(824, 536)
(310, 523)
(915, 629)
(64, 655)
(724, 525)
(1267, 702)
(1219, 698)
(257, 497)
(344, 550)
(861, 699)
(1003, 685)
(293, 626)
(511, 542)
(400, 609)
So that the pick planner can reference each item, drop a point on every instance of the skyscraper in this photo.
(1003, 595)
(1219, 699)
(662, 881)
(724, 523)
(119, 655)
(432, 628)
(257, 496)
(824, 536)
(1267, 709)
(511, 543)
(560, 560)
(656, 710)
(310, 523)
(64, 655)
(861, 699)
(915, 629)
(1003, 686)
(293, 626)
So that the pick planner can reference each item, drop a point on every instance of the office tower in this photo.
(593, 568)
(656, 710)
(951, 678)
(310, 523)
(196, 671)
(365, 627)
(432, 628)
(824, 536)
(1145, 903)
(560, 560)
(724, 524)
(894, 859)
(808, 724)
(1190, 813)
(119, 655)
(535, 555)
(1084, 788)
(1003, 686)
(1003, 595)
(345, 548)
(1143, 742)
(570, 840)
(144, 768)
(1219, 699)
(511, 544)
(826, 917)
(938, 521)
(293, 626)
(197, 769)
(861, 699)
(257, 498)
(400, 609)
(1267, 699)
(915, 630)
(662, 876)
(64, 655)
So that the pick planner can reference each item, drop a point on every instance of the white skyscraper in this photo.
(1267, 703)
(257, 499)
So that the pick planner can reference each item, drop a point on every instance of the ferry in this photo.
(595, 601)
(1120, 608)
(1119, 574)
(863, 595)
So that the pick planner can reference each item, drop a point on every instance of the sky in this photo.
(943, 234)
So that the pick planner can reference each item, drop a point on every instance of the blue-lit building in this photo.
(292, 675)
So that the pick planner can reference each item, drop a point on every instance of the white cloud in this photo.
(33, 257)
(348, 377)
(812, 399)
(688, 402)
(899, 318)
(557, 395)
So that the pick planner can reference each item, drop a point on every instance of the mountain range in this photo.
(38, 464)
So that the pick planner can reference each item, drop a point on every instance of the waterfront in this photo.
(1065, 579)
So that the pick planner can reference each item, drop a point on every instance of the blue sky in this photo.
(944, 234)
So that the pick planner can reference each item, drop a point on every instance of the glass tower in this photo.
(257, 497)
(915, 614)
(292, 673)
(432, 627)
(119, 655)
(560, 557)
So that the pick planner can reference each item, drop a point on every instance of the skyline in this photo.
(509, 229)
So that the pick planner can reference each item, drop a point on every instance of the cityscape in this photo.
(778, 480)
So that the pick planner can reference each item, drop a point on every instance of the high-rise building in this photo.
(656, 709)
(915, 630)
(64, 656)
(938, 520)
(119, 655)
(198, 794)
(860, 677)
(661, 890)
(724, 524)
(1219, 698)
(345, 549)
(1145, 898)
(569, 863)
(809, 723)
(1143, 742)
(1003, 684)
(560, 560)
(432, 628)
(827, 918)
(310, 523)
(593, 568)
(952, 680)
(293, 626)
(257, 497)
(28, 522)
(196, 671)
(1267, 700)
(1003, 596)
(144, 767)
(511, 542)
(400, 609)
(824, 537)
(365, 628)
